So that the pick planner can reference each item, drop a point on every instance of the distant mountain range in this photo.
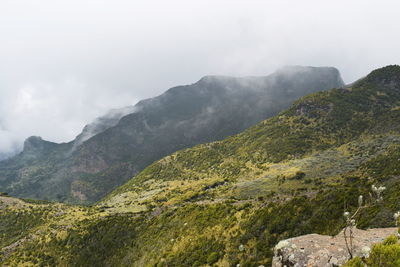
(229, 202)
(117, 146)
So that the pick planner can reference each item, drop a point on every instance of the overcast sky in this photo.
(63, 63)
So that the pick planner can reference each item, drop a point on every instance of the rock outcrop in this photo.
(315, 250)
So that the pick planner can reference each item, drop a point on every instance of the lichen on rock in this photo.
(315, 250)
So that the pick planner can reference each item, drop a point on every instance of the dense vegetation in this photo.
(229, 202)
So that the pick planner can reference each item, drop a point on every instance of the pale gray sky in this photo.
(65, 62)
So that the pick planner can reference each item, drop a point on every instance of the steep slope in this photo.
(116, 147)
(229, 202)
(315, 126)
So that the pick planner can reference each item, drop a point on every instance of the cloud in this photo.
(64, 63)
(56, 110)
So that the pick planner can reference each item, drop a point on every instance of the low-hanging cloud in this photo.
(64, 63)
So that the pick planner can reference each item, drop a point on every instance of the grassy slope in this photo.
(229, 202)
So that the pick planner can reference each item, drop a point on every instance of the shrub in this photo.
(356, 262)
(385, 254)
(212, 258)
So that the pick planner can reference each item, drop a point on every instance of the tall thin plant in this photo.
(351, 219)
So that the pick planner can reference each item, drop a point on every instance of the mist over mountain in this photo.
(232, 201)
(102, 123)
(4, 156)
(199, 133)
(115, 147)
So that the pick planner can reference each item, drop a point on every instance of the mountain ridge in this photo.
(230, 202)
(335, 126)
(210, 109)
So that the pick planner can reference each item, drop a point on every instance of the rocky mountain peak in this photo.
(33, 143)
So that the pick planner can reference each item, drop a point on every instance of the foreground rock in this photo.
(322, 251)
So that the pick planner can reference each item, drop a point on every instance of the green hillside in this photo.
(320, 136)
(229, 202)
(122, 143)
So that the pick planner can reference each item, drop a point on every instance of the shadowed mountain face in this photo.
(117, 146)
